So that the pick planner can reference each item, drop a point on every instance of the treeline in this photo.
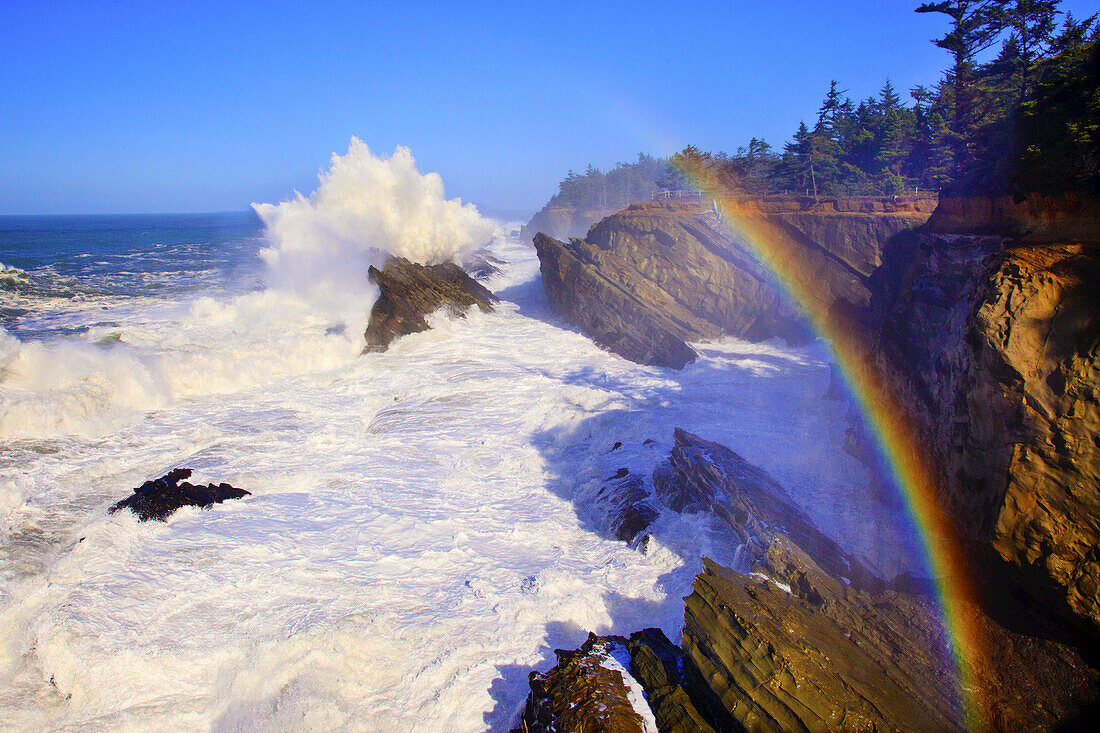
(624, 184)
(1023, 119)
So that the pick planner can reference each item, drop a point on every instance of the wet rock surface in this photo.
(625, 502)
(159, 498)
(409, 292)
(654, 276)
(584, 692)
(482, 265)
(703, 476)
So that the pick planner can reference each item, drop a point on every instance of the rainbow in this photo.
(897, 442)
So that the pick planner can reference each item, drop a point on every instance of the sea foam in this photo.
(310, 316)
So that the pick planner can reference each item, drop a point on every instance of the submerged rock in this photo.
(625, 506)
(482, 265)
(410, 292)
(159, 498)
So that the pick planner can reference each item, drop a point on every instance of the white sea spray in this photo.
(365, 207)
(310, 316)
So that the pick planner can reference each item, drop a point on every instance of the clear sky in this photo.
(209, 106)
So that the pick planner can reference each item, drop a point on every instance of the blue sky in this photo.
(166, 106)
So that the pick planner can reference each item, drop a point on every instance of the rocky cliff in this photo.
(409, 292)
(654, 276)
(562, 222)
(797, 637)
(984, 322)
(985, 326)
(990, 341)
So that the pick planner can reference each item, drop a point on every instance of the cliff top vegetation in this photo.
(1024, 119)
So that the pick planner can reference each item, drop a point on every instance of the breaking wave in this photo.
(310, 315)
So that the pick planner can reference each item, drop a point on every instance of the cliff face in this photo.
(563, 222)
(984, 322)
(991, 344)
(985, 325)
(654, 276)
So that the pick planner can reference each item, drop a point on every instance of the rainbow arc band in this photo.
(894, 438)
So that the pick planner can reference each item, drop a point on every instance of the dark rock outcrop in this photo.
(410, 292)
(702, 476)
(581, 694)
(992, 346)
(623, 501)
(159, 498)
(654, 276)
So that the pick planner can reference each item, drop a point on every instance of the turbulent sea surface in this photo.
(417, 537)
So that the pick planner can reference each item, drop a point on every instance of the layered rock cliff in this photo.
(984, 325)
(990, 342)
(983, 322)
(795, 638)
(654, 276)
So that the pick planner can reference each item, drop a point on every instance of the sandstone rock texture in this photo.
(990, 342)
(410, 292)
(159, 498)
(656, 275)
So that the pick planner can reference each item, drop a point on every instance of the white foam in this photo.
(310, 317)
(618, 660)
(411, 549)
(365, 207)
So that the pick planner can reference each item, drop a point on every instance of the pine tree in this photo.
(1032, 25)
(975, 27)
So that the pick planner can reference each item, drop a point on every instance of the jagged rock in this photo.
(991, 346)
(586, 692)
(159, 498)
(654, 276)
(608, 314)
(621, 505)
(627, 509)
(677, 694)
(802, 639)
(410, 292)
(702, 476)
(482, 265)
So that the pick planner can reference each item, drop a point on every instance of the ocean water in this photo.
(418, 537)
